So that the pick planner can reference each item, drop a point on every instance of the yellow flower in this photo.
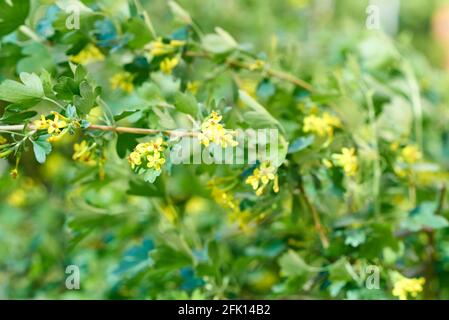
(123, 81)
(155, 161)
(167, 65)
(55, 125)
(135, 159)
(82, 152)
(410, 154)
(213, 131)
(404, 286)
(88, 55)
(193, 86)
(41, 124)
(347, 160)
(322, 126)
(262, 176)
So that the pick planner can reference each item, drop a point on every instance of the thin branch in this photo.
(315, 216)
(271, 72)
(144, 131)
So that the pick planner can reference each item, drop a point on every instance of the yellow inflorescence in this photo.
(149, 154)
(123, 81)
(167, 65)
(322, 126)
(88, 55)
(261, 177)
(213, 131)
(57, 127)
(347, 160)
(405, 286)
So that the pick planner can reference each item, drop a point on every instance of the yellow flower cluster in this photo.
(83, 152)
(322, 126)
(257, 65)
(347, 160)
(57, 127)
(167, 65)
(405, 286)
(159, 48)
(213, 131)
(88, 55)
(123, 81)
(262, 176)
(148, 154)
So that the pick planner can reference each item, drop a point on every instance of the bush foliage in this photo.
(353, 207)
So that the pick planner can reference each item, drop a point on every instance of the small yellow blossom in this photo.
(347, 160)
(405, 286)
(167, 65)
(155, 161)
(410, 154)
(41, 124)
(322, 126)
(261, 176)
(193, 86)
(213, 131)
(88, 55)
(135, 159)
(55, 125)
(83, 152)
(123, 81)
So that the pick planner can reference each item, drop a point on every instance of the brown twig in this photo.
(144, 131)
(315, 216)
(271, 72)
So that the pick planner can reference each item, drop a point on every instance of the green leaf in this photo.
(87, 99)
(424, 217)
(292, 265)
(300, 143)
(125, 114)
(41, 148)
(186, 103)
(139, 31)
(12, 15)
(151, 175)
(258, 116)
(217, 43)
(125, 142)
(29, 91)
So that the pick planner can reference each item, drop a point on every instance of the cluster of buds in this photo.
(213, 131)
(148, 155)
